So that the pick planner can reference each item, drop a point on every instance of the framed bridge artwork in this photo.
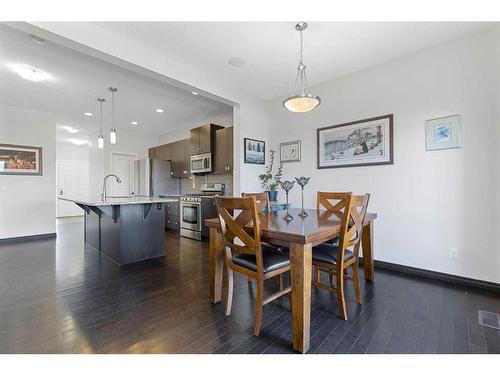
(356, 144)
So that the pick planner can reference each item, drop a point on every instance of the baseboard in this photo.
(481, 284)
(35, 237)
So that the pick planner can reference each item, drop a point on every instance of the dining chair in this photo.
(337, 259)
(255, 259)
(323, 201)
(262, 200)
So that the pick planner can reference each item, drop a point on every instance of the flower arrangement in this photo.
(268, 180)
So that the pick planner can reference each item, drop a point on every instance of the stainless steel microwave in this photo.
(201, 163)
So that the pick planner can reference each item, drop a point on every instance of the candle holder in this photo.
(302, 181)
(287, 186)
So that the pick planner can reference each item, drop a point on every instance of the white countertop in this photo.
(116, 201)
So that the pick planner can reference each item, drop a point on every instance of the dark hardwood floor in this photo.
(56, 296)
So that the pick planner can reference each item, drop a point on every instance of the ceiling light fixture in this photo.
(236, 62)
(30, 73)
(194, 93)
(112, 134)
(159, 110)
(100, 137)
(88, 114)
(38, 40)
(78, 142)
(71, 129)
(134, 122)
(300, 100)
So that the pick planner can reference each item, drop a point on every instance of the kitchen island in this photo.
(125, 229)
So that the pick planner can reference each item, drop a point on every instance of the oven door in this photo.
(191, 216)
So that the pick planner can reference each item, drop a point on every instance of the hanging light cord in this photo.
(101, 100)
(113, 103)
(301, 69)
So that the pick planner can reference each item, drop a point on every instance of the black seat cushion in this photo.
(327, 253)
(334, 241)
(272, 258)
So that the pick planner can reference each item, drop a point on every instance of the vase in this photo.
(273, 195)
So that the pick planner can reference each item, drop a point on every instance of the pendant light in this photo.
(112, 134)
(100, 137)
(300, 100)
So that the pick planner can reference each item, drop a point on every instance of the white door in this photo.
(123, 166)
(72, 180)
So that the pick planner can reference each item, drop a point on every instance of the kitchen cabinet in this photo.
(152, 153)
(180, 157)
(202, 139)
(172, 214)
(224, 151)
(162, 152)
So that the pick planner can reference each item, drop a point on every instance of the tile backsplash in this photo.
(193, 184)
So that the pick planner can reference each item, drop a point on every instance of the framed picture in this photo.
(356, 144)
(442, 133)
(255, 151)
(290, 151)
(20, 160)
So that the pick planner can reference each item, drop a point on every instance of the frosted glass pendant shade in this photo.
(112, 137)
(100, 141)
(301, 103)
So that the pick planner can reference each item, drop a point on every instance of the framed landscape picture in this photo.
(290, 151)
(442, 133)
(255, 151)
(356, 144)
(20, 160)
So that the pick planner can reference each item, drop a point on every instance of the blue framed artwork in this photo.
(443, 133)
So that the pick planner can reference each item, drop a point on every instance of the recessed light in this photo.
(38, 40)
(88, 114)
(71, 129)
(159, 110)
(236, 62)
(194, 93)
(134, 122)
(30, 73)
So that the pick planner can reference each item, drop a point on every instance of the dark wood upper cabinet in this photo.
(224, 151)
(202, 139)
(152, 153)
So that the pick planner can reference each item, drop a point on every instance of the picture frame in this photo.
(21, 160)
(254, 151)
(290, 151)
(443, 133)
(361, 143)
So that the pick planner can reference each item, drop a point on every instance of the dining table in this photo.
(299, 235)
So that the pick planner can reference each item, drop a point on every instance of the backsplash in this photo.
(193, 184)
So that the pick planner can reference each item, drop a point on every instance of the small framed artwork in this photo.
(255, 151)
(356, 144)
(442, 133)
(290, 151)
(20, 160)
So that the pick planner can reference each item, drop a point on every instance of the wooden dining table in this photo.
(299, 235)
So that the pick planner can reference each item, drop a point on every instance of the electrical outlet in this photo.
(453, 253)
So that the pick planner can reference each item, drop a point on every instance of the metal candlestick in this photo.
(302, 181)
(287, 186)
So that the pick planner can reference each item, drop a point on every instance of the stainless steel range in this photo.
(196, 207)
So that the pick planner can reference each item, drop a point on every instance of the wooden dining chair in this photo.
(323, 201)
(337, 259)
(262, 200)
(256, 260)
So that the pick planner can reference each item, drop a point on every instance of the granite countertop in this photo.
(116, 201)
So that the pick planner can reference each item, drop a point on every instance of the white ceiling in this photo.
(270, 49)
(77, 81)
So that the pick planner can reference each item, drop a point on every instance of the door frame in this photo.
(112, 164)
(57, 189)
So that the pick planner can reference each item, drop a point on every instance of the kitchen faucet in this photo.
(103, 195)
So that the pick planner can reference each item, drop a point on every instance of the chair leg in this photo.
(330, 275)
(355, 279)
(249, 280)
(258, 306)
(229, 292)
(340, 294)
(280, 282)
(318, 274)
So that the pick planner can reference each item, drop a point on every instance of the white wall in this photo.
(69, 151)
(223, 119)
(428, 202)
(250, 119)
(27, 203)
(128, 141)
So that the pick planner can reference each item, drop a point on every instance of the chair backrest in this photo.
(262, 200)
(233, 226)
(351, 210)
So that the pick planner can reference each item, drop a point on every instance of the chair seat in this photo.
(327, 253)
(272, 259)
(334, 241)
